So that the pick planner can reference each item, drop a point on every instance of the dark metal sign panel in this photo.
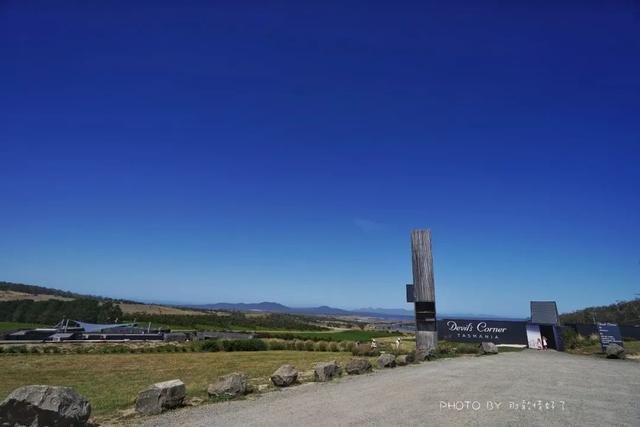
(410, 293)
(496, 331)
(609, 333)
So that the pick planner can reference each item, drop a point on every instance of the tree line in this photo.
(41, 290)
(622, 313)
(51, 311)
(93, 309)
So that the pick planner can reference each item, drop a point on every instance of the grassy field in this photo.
(112, 381)
(12, 326)
(347, 335)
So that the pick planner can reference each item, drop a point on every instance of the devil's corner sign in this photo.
(465, 330)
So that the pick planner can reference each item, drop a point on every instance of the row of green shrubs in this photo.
(310, 345)
(34, 350)
(453, 348)
(444, 348)
(339, 336)
(572, 340)
(88, 349)
(363, 349)
(260, 345)
(226, 345)
(231, 345)
(196, 346)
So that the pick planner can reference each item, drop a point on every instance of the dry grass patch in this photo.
(128, 308)
(112, 381)
(14, 296)
(631, 348)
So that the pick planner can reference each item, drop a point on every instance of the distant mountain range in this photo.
(274, 307)
(388, 311)
(19, 291)
(392, 314)
(622, 312)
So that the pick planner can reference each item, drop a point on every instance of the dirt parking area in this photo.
(511, 389)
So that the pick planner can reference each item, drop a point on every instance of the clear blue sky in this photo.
(234, 151)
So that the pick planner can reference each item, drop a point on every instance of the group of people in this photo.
(542, 344)
(374, 344)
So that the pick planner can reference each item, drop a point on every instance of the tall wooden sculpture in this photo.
(424, 291)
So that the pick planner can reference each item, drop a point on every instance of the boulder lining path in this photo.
(488, 390)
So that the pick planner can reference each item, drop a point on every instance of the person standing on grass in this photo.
(398, 342)
(374, 344)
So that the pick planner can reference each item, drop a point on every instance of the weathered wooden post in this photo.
(424, 292)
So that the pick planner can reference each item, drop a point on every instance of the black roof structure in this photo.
(544, 312)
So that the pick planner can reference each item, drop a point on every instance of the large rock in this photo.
(401, 360)
(424, 354)
(326, 371)
(358, 366)
(615, 351)
(386, 361)
(488, 348)
(284, 376)
(43, 405)
(161, 396)
(229, 386)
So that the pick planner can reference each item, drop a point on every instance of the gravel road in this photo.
(586, 391)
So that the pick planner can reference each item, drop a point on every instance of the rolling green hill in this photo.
(40, 291)
(622, 312)
(31, 304)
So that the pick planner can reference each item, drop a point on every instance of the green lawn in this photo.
(12, 326)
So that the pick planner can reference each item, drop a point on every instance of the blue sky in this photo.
(238, 151)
